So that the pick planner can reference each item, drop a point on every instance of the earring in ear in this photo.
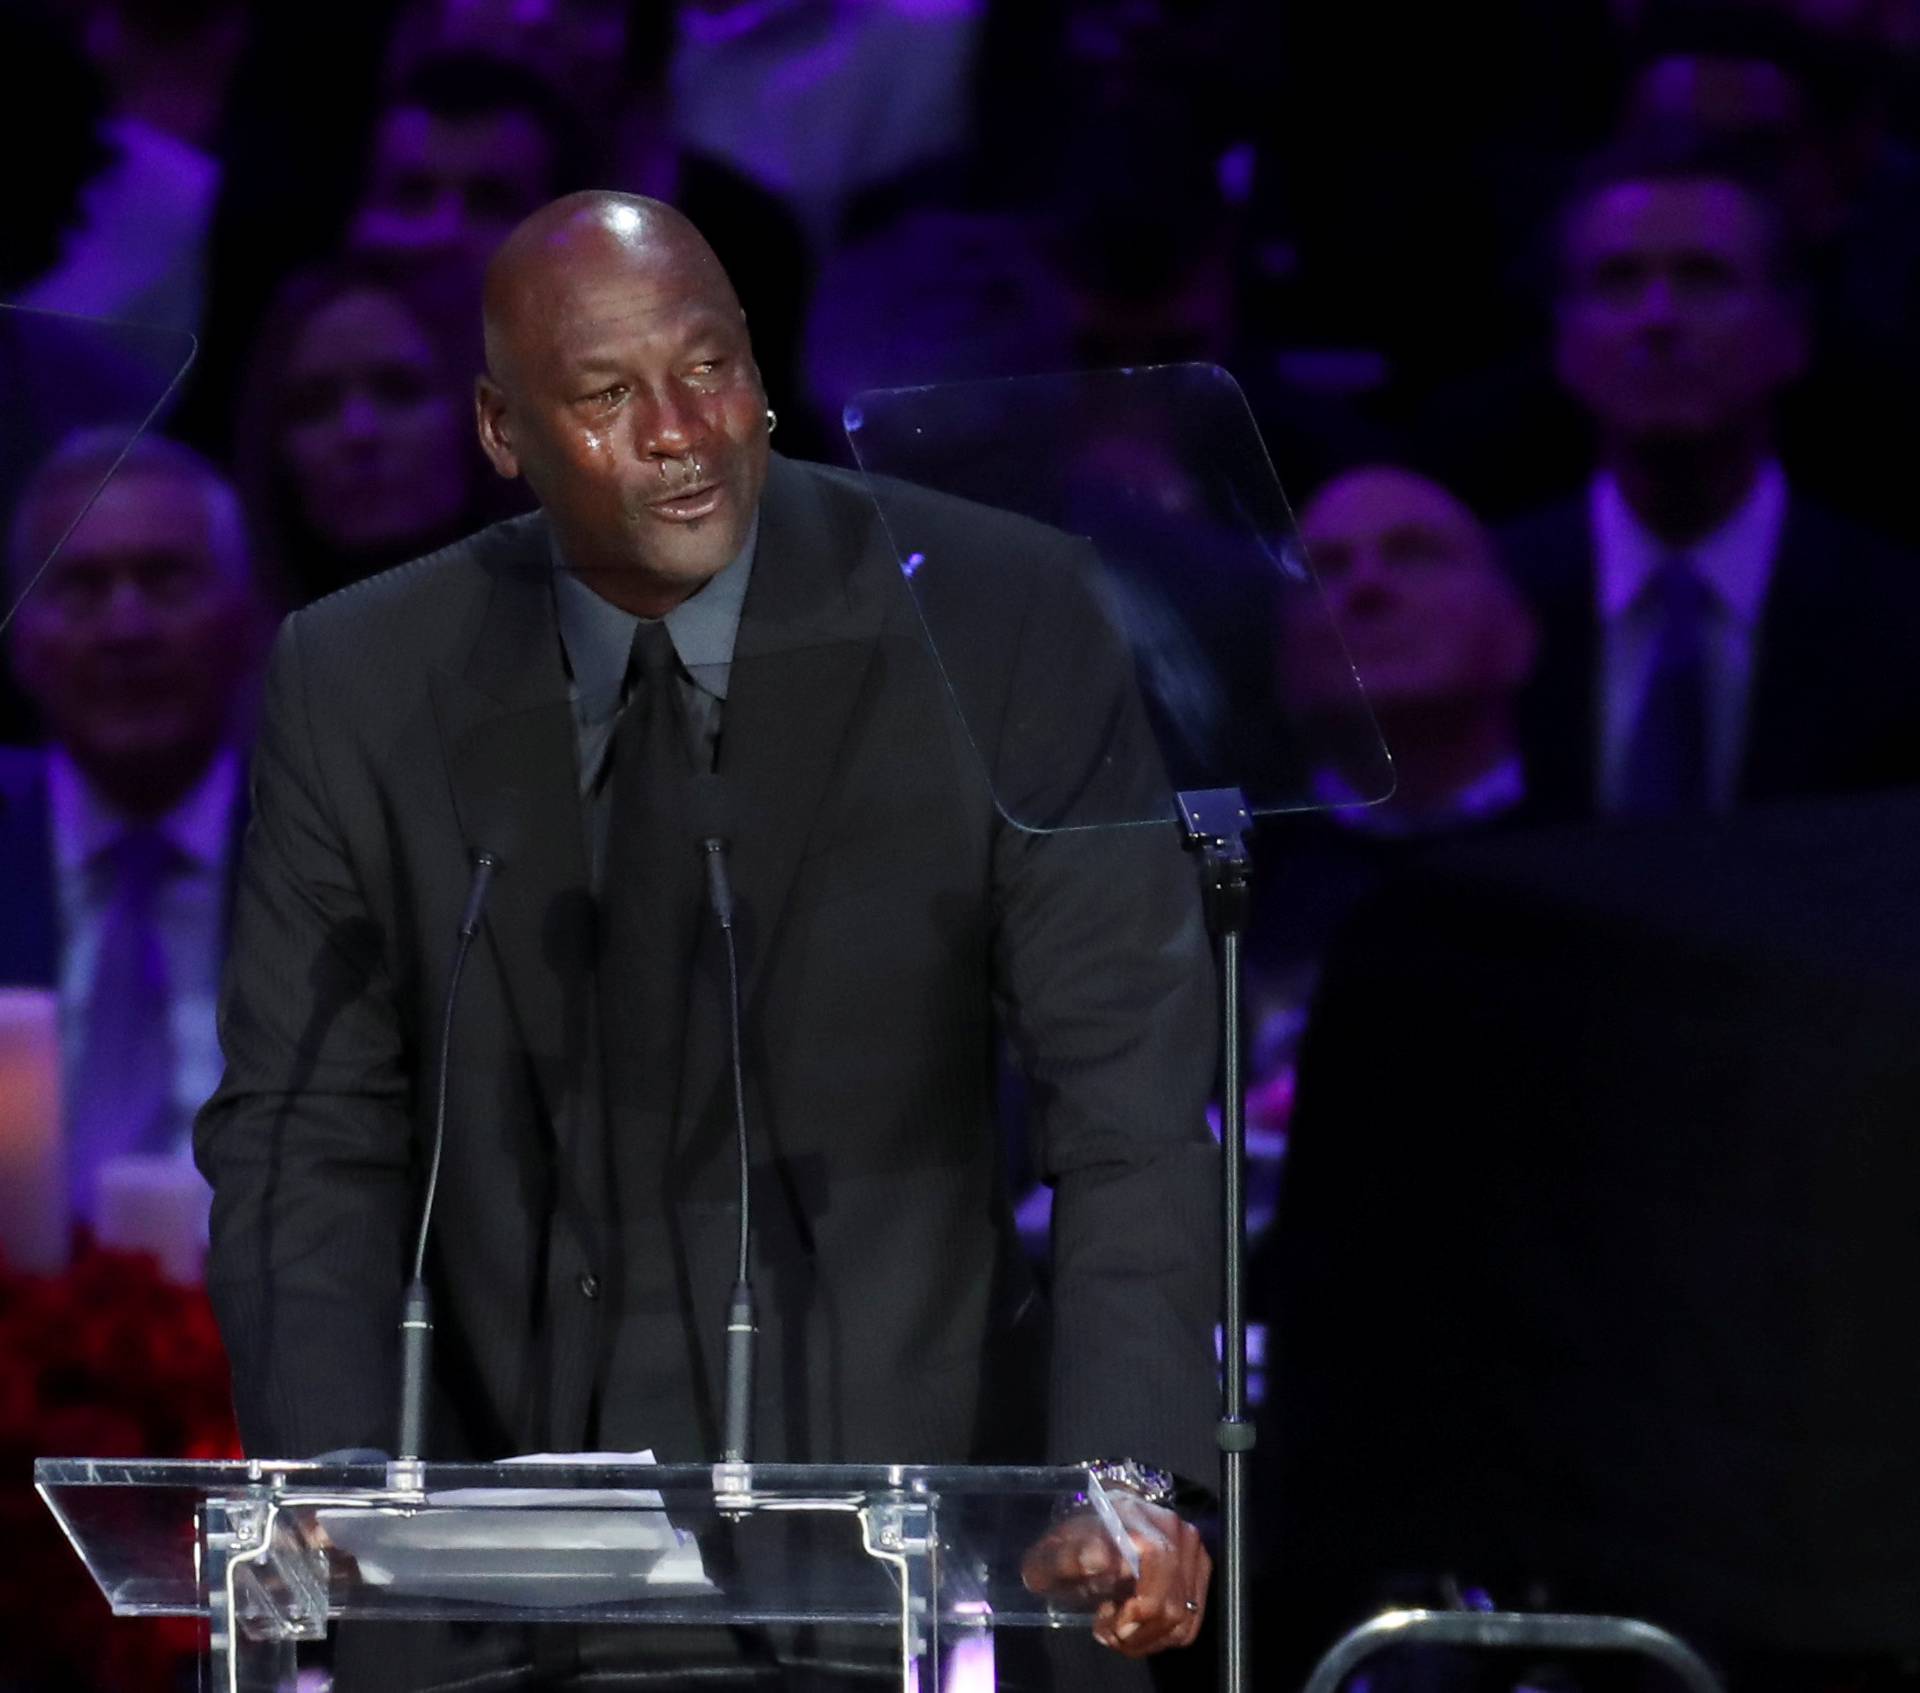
(772, 422)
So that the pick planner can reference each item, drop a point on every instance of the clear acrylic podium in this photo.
(927, 1558)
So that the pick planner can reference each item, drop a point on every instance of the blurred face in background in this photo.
(139, 637)
(1413, 587)
(1674, 323)
(1818, 159)
(441, 186)
(374, 433)
(577, 45)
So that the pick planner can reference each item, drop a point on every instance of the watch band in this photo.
(1156, 1486)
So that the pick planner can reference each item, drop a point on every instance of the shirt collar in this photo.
(1735, 560)
(598, 636)
(86, 824)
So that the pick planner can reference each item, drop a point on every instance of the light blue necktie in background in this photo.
(1668, 767)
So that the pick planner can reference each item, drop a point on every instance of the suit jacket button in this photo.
(589, 1285)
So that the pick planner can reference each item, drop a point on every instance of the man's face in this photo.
(137, 639)
(1412, 587)
(441, 186)
(1673, 326)
(375, 435)
(631, 403)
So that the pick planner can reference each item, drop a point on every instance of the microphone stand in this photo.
(406, 1473)
(1214, 824)
(742, 1321)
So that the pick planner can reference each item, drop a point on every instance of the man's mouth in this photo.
(685, 505)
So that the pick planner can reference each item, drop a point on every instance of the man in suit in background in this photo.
(685, 602)
(138, 647)
(1709, 636)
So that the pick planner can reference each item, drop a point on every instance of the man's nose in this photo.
(359, 416)
(1658, 307)
(128, 614)
(1366, 579)
(668, 426)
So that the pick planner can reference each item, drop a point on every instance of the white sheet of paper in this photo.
(526, 1546)
(520, 1498)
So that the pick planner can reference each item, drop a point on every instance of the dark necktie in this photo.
(123, 1083)
(650, 913)
(1667, 768)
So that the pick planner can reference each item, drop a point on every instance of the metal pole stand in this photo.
(1216, 821)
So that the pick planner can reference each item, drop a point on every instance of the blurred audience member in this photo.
(1801, 89)
(1147, 239)
(299, 117)
(818, 100)
(52, 104)
(139, 645)
(1441, 639)
(1816, 105)
(1047, 66)
(935, 295)
(118, 206)
(1443, 645)
(465, 148)
(586, 47)
(357, 449)
(170, 62)
(1708, 635)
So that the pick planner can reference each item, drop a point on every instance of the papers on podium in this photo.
(526, 1546)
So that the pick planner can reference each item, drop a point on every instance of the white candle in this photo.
(35, 1228)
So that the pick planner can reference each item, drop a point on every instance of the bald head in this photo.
(621, 384)
(1415, 587)
(1390, 508)
(588, 237)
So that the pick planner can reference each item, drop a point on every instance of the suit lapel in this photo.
(1800, 728)
(806, 643)
(507, 729)
(1560, 711)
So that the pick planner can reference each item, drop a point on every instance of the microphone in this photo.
(709, 813)
(416, 1305)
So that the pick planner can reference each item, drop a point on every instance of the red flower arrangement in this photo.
(109, 1360)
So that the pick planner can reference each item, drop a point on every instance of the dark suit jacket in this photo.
(1595, 1261)
(30, 913)
(1835, 706)
(885, 907)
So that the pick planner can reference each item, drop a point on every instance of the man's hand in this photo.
(1077, 1559)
